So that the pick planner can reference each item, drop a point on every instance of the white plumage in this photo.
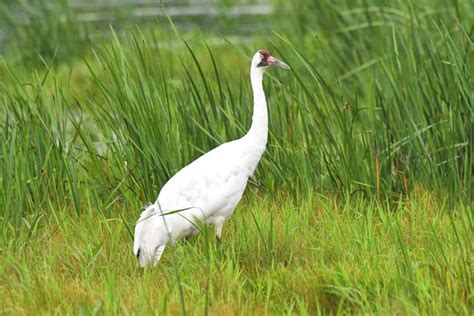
(209, 188)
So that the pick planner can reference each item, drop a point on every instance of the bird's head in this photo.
(150, 237)
(264, 59)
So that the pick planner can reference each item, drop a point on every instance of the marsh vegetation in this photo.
(362, 202)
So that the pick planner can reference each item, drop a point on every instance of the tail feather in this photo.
(147, 211)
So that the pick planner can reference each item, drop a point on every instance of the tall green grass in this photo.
(398, 79)
(37, 165)
(399, 116)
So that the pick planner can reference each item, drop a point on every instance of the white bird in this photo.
(210, 187)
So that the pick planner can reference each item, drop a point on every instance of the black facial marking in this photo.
(138, 254)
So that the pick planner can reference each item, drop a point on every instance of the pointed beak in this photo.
(272, 61)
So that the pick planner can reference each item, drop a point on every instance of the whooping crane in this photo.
(209, 188)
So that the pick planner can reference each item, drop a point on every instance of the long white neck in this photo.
(258, 132)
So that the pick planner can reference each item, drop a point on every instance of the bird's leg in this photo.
(158, 253)
(219, 231)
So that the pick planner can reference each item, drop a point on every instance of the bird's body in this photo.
(209, 188)
(214, 182)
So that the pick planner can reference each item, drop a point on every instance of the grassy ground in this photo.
(361, 204)
(277, 256)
